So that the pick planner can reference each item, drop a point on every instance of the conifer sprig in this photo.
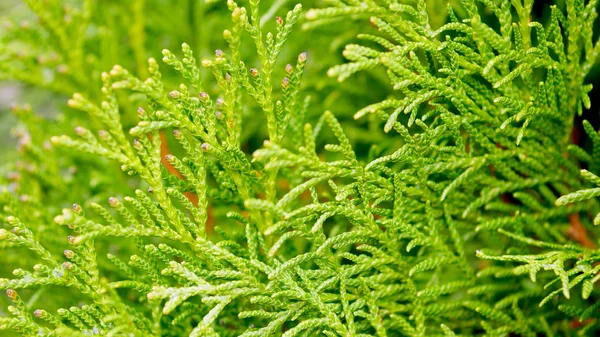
(471, 217)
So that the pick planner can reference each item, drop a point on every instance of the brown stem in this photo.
(578, 233)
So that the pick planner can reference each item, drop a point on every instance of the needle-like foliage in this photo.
(470, 215)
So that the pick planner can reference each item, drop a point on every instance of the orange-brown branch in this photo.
(191, 196)
(164, 151)
(578, 233)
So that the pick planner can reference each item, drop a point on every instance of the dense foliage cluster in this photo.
(231, 194)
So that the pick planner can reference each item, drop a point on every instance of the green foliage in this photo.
(231, 206)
